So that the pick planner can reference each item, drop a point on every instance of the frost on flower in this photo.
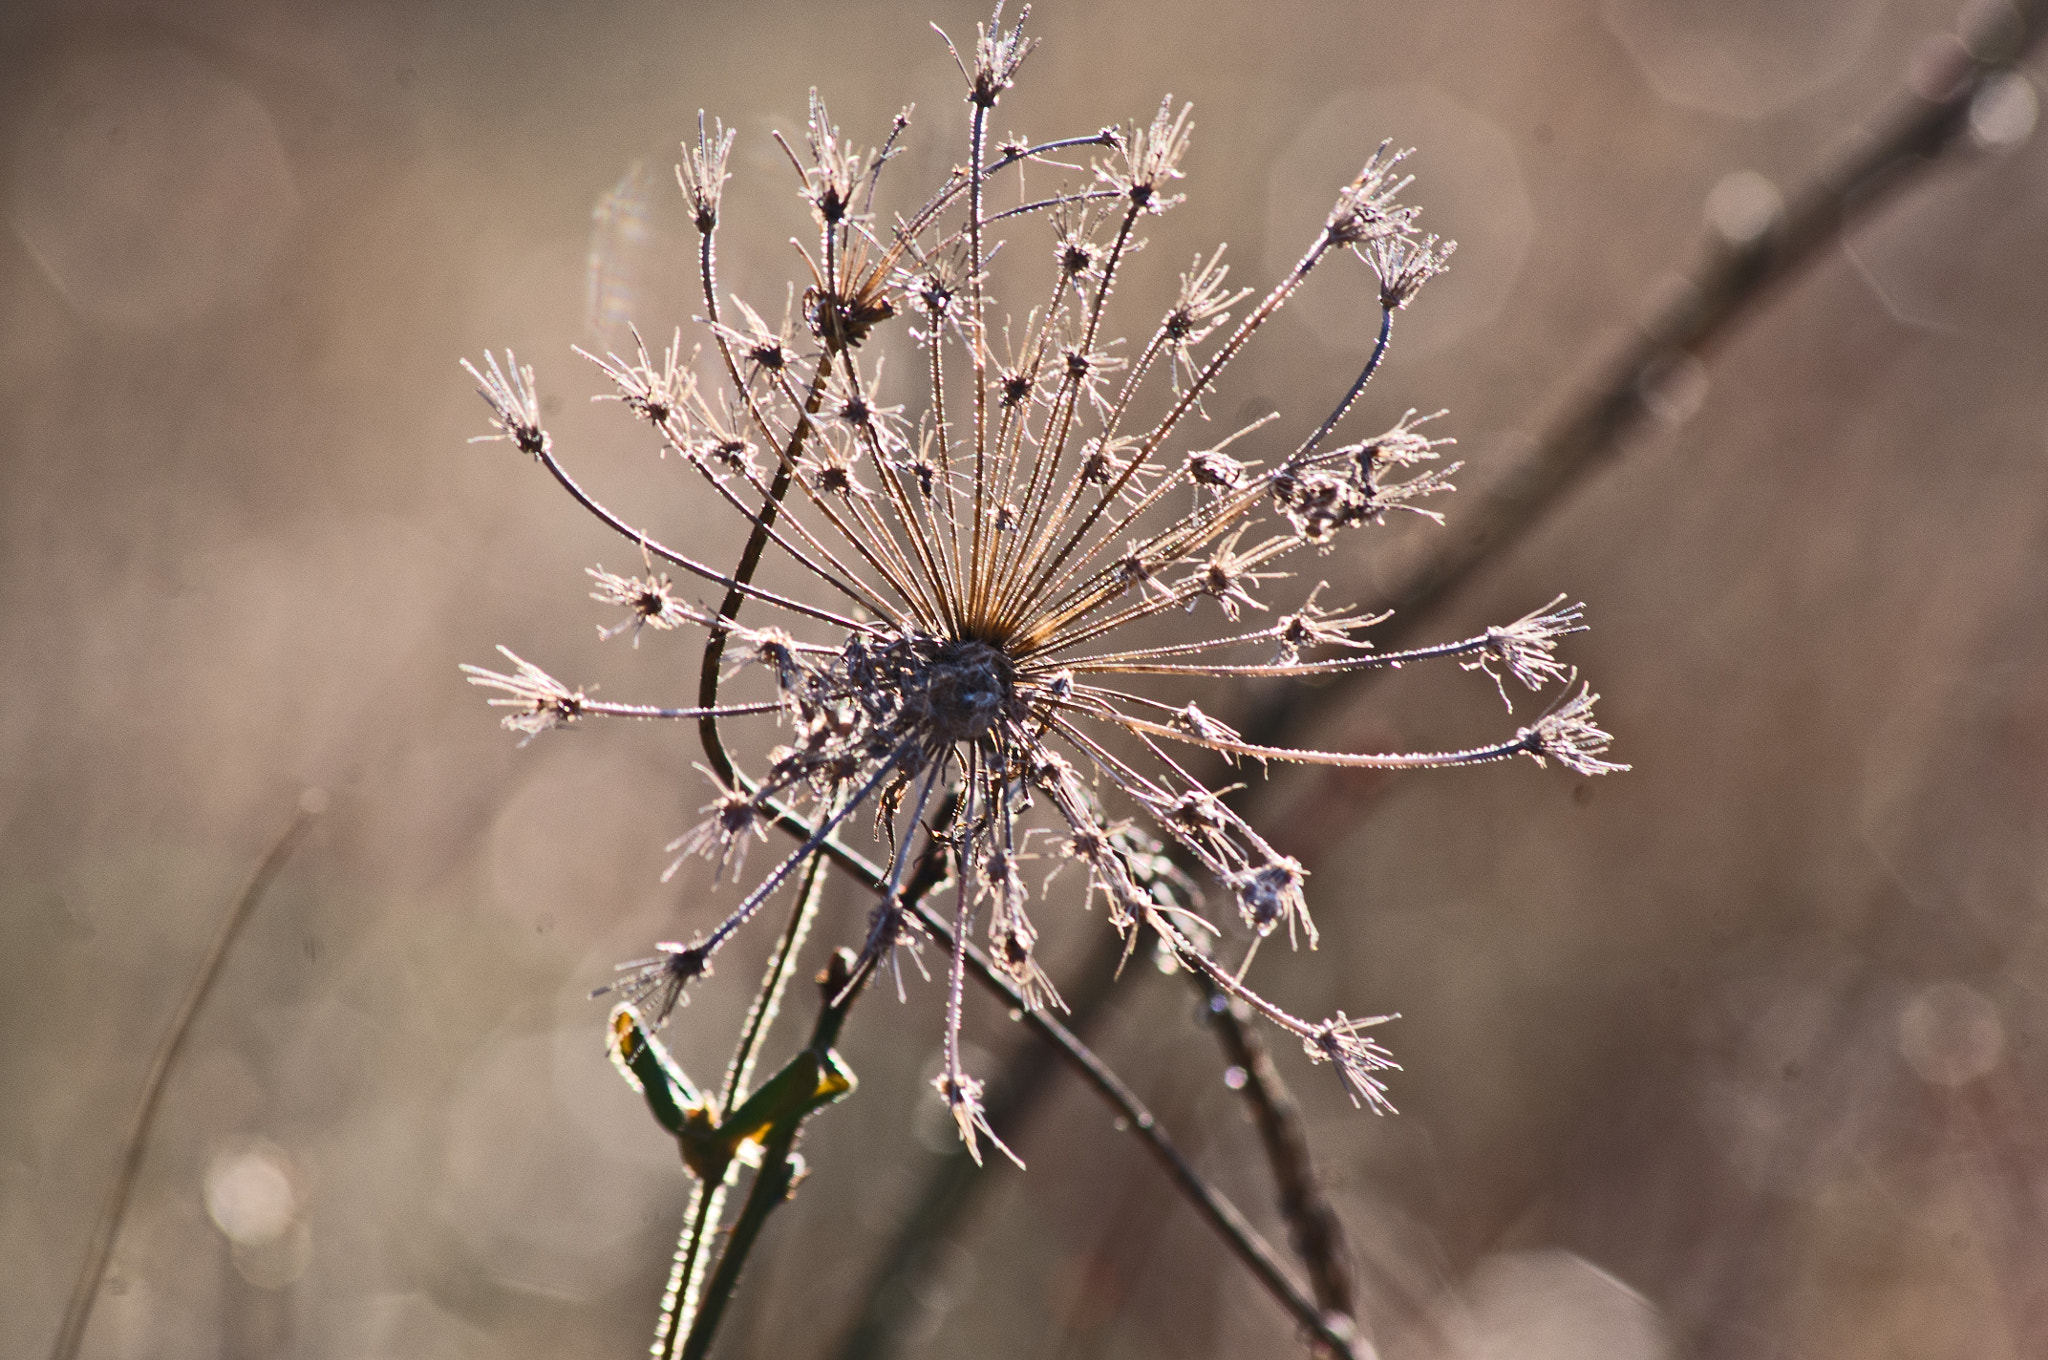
(984, 557)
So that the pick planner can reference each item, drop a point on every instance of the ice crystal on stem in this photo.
(981, 565)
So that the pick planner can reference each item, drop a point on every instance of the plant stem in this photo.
(93, 1270)
(780, 1166)
(768, 1000)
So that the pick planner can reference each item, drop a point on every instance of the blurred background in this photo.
(1739, 1054)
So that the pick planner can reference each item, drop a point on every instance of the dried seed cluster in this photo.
(980, 569)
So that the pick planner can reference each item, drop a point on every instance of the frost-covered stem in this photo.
(1199, 384)
(1031, 551)
(1228, 1221)
(1372, 363)
(1242, 1239)
(831, 570)
(686, 1276)
(746, 909)
(1525, 740)
(977, 339)
(945, 500)
(773, 1184)
(768, 999)
(708, 674)
(863, 520)
(963, 909)
(600, 709)
(1336, 666)
(889, 904)
(737, 587)
(933, 590)
(1058, 200)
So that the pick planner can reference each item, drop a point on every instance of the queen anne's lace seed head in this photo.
(656, 985)
(1568, 735)
(834, 175)
(1269, 895)
(515, 406)
(1359, 1059)
(969, 587)
(1151, 159)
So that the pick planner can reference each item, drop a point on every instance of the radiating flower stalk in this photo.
(985, 573)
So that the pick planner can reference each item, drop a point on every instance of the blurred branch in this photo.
(1312, 1223)
(86, 1290)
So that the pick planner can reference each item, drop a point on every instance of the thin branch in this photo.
(1312, 1223)
(707, 1203)
(94, 1268)
(952, 1186)
(743, 576)
(768, 999)
(780, 1167)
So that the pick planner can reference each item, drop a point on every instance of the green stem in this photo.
(780, 1165)
(780, 1168)
(768, 1000)
(679, 1313)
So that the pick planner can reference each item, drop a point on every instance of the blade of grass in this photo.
(92, 1272)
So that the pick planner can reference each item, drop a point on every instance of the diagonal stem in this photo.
(841, 984)
(93, 1270)
(1312, 1222)
(1225, 1218)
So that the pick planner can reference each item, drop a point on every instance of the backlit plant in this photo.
(984, 575)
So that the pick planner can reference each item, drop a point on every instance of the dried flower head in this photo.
(972, 628)
(515, 406)
(1150, 158)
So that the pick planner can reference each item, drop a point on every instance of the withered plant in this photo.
(988, 577)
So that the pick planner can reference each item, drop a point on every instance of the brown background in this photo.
(1737, 1054)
